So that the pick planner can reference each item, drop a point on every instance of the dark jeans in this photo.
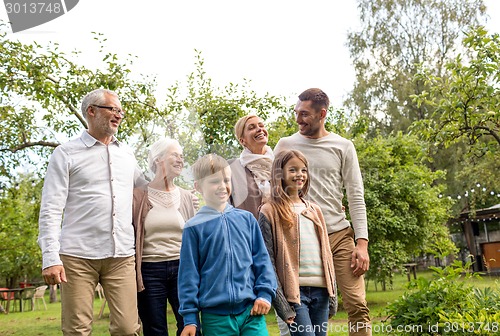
(312, 313)
(160, 281)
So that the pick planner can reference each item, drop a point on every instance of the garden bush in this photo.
(446, 305)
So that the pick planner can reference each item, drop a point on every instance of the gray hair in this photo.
(158, 149)
(95, 97)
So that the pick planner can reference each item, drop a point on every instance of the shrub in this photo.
(480, 317)
(440, 305)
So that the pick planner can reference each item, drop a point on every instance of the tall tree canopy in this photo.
(465, 105)
(395, 36)
(466, 101)
(41, 88)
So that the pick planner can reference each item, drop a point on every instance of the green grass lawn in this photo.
(47, 323)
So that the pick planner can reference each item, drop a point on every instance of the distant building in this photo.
(481, 237)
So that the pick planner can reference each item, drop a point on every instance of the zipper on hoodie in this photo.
(229, 261)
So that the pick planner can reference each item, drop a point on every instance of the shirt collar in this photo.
(90, 141)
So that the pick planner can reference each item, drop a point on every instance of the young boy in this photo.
(225, 272)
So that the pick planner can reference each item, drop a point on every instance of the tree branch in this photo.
(73, 109)
(488, 130)
(491, 132)
(30, 144)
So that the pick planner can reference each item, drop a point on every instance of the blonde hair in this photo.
(208, 165)
(279, 200)
(239, 127)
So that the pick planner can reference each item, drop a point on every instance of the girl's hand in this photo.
(260, 307)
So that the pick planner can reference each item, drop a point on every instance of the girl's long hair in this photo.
(279, 200)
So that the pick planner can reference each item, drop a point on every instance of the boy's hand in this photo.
(260, 307)
(189, 330)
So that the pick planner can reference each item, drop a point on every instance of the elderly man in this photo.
(85, 226)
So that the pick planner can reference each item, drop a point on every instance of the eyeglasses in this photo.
(177, 156)
(113, 109)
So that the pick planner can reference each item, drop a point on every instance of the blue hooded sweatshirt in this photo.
(224, 264)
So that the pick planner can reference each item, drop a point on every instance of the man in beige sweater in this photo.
(333, 165)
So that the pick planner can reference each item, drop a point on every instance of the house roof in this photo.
(492, 212)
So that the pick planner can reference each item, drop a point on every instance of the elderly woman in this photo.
(160, 210)
(251, 172)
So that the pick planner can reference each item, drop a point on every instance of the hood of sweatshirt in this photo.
(206, 214)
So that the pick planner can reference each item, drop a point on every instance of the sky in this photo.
(282, 46)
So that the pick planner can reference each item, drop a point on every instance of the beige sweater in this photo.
(140, 209)
(333, 166)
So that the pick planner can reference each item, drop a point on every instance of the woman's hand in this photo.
(195, 199)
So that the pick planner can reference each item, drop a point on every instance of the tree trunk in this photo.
(53, 293)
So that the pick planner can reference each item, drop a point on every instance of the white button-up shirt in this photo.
(86, 208)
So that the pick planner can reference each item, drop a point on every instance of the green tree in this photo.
(403, 207)
(41, 88)
(440, 245)
(20, 257)
(466, 101)
(395, 36)
(202, 115)
(480, 174)
(465, 105)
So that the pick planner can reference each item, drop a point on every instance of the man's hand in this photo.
(54, 275)
(360, 260)
(260, 307)
(189, 330)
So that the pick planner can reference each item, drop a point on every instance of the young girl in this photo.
(297, 241)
